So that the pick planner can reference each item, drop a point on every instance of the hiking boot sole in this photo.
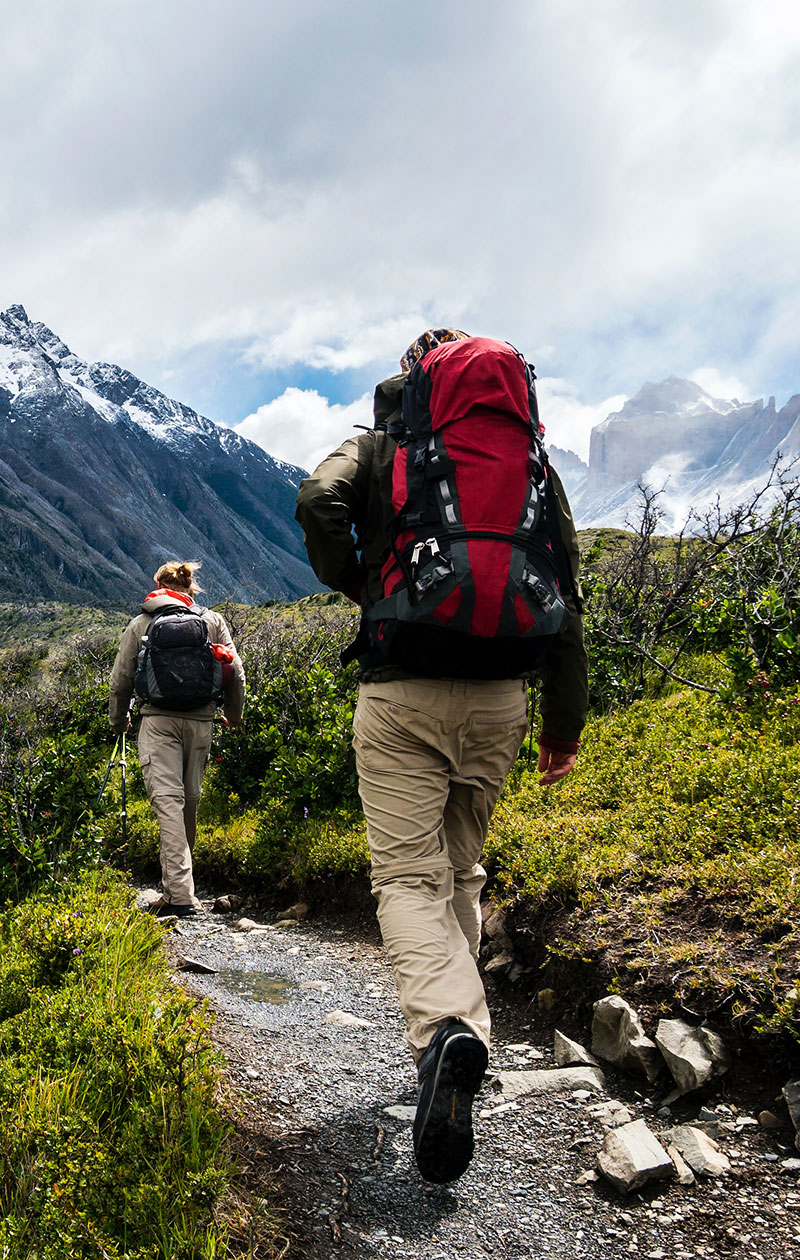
(443, 1140)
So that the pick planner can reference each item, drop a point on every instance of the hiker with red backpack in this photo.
(179, 660)
(465, 563)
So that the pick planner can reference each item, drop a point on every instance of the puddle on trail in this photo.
(256, 986)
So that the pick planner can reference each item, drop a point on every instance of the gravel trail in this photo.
(314, 1094)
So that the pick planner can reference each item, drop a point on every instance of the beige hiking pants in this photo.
(432, 757)
(173, 752)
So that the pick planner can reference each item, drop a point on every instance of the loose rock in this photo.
(632, 1156)
(494, 925)
(400, 1112)
(611, 1114)
(498, 962)
(684, 1173)
(693, 1055)
(699, 1150)
(346, 1020)
(768, 1120)
(549, 1081)
(249, 925)
(192, 964)
(546, 999)
(226, 903)
(791, 1093)
(618, 1036)
(568, 1053)
(294, 914)
(149, 899)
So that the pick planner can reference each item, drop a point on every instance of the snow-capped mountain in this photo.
(102, 478)
(673, 436)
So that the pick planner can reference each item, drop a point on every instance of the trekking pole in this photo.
(109, 768)
(532, 709)
(123, 763)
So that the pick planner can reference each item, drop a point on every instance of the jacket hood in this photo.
(163, 598)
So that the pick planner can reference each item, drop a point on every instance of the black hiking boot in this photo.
(166, 911)
(450, 1075)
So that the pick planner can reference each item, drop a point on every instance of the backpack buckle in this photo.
(430, 543)
(541, 594)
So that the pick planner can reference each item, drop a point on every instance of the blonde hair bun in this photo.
(179, 575)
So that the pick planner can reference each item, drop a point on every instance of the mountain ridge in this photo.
(102, 477)
(674, 437)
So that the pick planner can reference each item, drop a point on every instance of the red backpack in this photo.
(472, 586)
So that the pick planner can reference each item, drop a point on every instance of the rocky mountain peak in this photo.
(675, 437)
(102, 477)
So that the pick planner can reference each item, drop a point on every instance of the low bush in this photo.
(678, 832)
(112, 1139)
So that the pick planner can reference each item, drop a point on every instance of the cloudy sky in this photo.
(256, 206)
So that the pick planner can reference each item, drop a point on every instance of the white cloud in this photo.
(302, 427)
(307, 185)
(568, 421)
(721, 386)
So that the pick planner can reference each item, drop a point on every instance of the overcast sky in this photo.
(256, 205)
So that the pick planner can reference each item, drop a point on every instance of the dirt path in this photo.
(313, 1096)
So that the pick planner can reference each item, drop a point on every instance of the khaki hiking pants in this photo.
(173, 752)
(432, 757)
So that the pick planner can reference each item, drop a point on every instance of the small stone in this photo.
(252, 1073)
(192, 964)
(546, 999)
(345, 1020)
(227, 903)
(790, 1165)
(581, 1095)
(585, 1178)
(568, 1053)
(400, 1112)
(149, 899)
(294, 914)
(498, 962)
(611, 1114)
(494, 925)
(632, 1156)
(768, 1120)
(319, 986)
(488, 1112)
(247, 925)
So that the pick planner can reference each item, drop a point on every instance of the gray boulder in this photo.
(699, 1150)
(568, 1052)
(632, 1156)
(618, 1037)
(693, 1055)
(549, 1081)
(791, 1094)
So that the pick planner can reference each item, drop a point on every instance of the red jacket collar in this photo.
(163, 590)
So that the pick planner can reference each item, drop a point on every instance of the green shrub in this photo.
(111, 1137)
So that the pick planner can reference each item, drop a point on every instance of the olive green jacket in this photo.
(351, 490)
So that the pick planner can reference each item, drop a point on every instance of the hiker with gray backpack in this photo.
(178, 659)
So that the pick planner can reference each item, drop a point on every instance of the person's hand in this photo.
(230, 721)
(554, 765)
